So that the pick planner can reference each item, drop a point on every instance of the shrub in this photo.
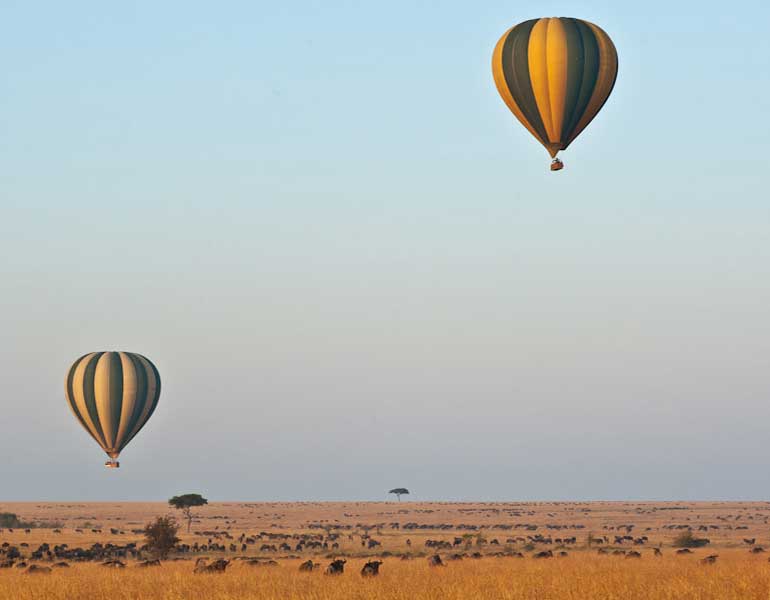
(687, 540)
(161, 536)
(9, 520)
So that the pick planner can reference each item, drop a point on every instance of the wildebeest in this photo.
(634, 554)
(749, 541)
(657, 552)
(435, 561)
(544, 554)
(336, 567)
(684, 551)
(114, 564)
(38, 570)
(307, 566)
(710, 559)
(149, 563)
(60, 565)
(757, 550)
(218, 566)
(371, 569)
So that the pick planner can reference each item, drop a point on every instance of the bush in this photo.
(687, 540)
(160, 536)
(9, 520)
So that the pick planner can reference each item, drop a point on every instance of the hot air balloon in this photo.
(555, 74)
(112, 394)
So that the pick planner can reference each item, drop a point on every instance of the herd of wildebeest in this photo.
(329, 544)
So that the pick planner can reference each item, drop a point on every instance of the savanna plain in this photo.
(607, 550)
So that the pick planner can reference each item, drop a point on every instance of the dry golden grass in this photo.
(583, 575)
(736, 576)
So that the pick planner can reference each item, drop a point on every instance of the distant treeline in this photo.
(12, 521)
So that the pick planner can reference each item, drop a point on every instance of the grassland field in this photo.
(741, 571)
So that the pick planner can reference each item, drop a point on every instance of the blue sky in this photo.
(353, 268)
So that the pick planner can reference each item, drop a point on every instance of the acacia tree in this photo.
(185, 503)
(399, 492)
(161, 536)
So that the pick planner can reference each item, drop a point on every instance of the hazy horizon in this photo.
(353, 269)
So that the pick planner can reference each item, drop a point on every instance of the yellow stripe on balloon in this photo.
(537, 54)
(557, 60)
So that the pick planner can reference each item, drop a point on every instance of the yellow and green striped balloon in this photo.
(112, 395)
(555, 74)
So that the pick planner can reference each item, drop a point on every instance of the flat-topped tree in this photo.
(185, 503)
(399, 492)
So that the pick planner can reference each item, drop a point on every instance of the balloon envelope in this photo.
(555, 74)
(112, 395)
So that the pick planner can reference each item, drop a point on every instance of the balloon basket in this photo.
(112, 464)
(556, 165)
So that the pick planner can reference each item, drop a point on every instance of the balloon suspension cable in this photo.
(556, 165)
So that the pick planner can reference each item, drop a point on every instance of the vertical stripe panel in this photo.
(605, 79)
(131, 391)
(502, 83)
(69, 392)
(586, 76)
(538, 74)
(150, 400)
(108, 389)
(83, 393)
(557, 66)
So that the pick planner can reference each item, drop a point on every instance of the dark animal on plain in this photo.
(336, 567)
(517, 555)
(114, 564)
(60, 565)
(749, 541)
(710, 559)
(218, 566)
(435, 561)
(657, 552)
(757, 550)
(477, 555)
(684, 551)
(544, 554)
(149, 563)
(306, 567)
(408, 542)
(562, 554)
(21, 565)
(38, 570)
(373, 544)
(371, 569)
(633, 554)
